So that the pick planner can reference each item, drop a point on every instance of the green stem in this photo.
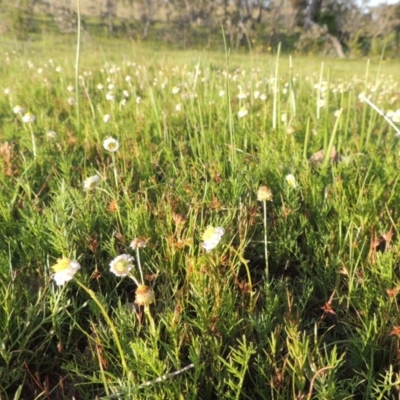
(151, 320)
(275, 93)
(139, 265)
(109, 322)
(77, 59)
(33, 141)
(115, 170)
(266, 241)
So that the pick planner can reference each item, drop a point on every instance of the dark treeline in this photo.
(338, 27)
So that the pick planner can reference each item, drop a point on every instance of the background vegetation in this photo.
(331, 27)
(297, 300)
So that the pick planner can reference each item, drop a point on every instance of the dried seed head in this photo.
(264, 193)
(144, 296)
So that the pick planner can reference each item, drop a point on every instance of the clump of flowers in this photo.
(91, 183)
(121, 265)
(211, 237)
(64, 270)
(111, 144)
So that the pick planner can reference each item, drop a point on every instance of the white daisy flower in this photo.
(18, 109)
(242, 112)
(263, 97)
(211, 237)
(337, 113)
(64, 270)
(51, 134)
(28, 118)
(121, 265)
(111, 144)
(110, 96)
(396, 116)
(291, 180)
(91, 183)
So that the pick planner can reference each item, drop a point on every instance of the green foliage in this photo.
(323, 323)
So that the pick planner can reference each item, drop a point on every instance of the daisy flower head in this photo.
(51, 134)
(396, 116)
(211, 237)
(18, 109)
(121, 265)
(28, 118)
(91, 183)
(291, 181)
(144, 296)
(242, 112)
(138, 243)
(64, 270)
(110, 96)
(111, 144)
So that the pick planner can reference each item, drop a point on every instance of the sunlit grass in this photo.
(232, 295)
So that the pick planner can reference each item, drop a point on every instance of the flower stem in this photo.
(109, 322)
(139, 265)
(33, 141)
(115, 170)
(77, 59)
(266, 242)
(151, 320)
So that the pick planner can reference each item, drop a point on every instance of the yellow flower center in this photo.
(208, 233)
(61, 265)
(121, 266)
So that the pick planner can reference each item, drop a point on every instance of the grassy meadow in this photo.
(197, 225)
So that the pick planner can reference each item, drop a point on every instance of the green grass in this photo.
(322, 323)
